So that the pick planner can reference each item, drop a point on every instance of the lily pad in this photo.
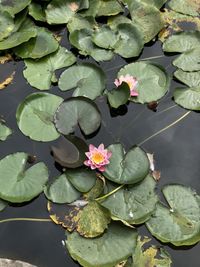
(35, 116)
(6, 25)
(119, 96)
(93, 220)
(26, 31)
(180, 223)
(126, 168)
(87, 79)
(188, 97)
(78, 22)
(147, 17)
(14, 263)
(95, 191)
(43, 44)
(69, 151)
(61, 191)
(3, 204)
(14, 6)
(114, 246)
(130, 43)
(61, 11)
(4, 132)
(82, 179)
(41, 73)
(133, 204)
(152, 256)
(182, 42)
(105, 37)
(153, 81)
(77, 111)
(18, 185)
(189, 7)
(189, 61)
(109, 8)
(36, 10)
(82, 39)
(191, 79)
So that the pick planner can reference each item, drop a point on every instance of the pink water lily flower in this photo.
(98, 157)
(131, 81)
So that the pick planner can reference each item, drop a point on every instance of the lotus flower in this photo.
(131, 81)
(98, 158)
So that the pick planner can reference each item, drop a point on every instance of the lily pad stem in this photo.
(110, 193)
(25, 219)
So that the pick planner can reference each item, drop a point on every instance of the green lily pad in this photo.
(18, 185)
(93, 220)
(191, 79)
(43, 44)
(156, 3)
(119, 96)
(182, 42)
(152, 256)
(6, 25)
(109, 8)
(35, 116)
(82, 179)
(61, 11)
(87, 79)
(105, 37)
(133, 204)
(114, 246)
(95, 191)
(70, 151)
(61, 191)
(130, 43)
(4, 132)
(147, 17)
(153, 81)
(188, 97)
(126, 168)
(78, 22)
(189, 7)
(77, 111)
(14, 6)
(41, 73)
(189, 61)
(92, 9)
(3, 204)
(26, 31)
(37, 11)
(82, 39)
(179, 224)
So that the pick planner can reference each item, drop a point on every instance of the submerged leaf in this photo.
(18, 185)
(69, 151)
(126, 168)
(40, 73)
(35, 116)
(114, 246)
(79, 111)
(87, 79)
(188, 97)
(180, 223)
(61, 191)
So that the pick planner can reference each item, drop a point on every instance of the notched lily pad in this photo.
(69, 151)
(119, 96)
(87, 79)
(126, 168)
(133, 204)
(188, 97)
(5, 132)
(189, 61)
(114, 246)
(190, 7)
(35, 116)
(180, 223)
(41, 73)
(18, 185)
(191, 79)
(61, 191)
(77, 111)
(153, 81)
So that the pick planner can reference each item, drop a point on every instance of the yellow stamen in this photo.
(97, 157)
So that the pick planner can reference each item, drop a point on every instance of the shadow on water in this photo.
(176, 152)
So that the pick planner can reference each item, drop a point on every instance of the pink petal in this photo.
(109, 154)
(102, 169)
(101, 147)
(91, 147)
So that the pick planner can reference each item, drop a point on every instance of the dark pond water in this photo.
(176, 151)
